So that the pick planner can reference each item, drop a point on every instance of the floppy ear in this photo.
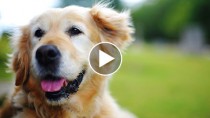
(114, 27)
(21, 58)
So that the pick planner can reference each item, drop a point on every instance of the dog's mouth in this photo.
(56, 88)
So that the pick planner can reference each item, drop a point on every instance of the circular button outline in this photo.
(117, 67)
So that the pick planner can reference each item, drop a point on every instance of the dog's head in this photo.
(52, 51)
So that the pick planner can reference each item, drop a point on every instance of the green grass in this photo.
(4, 50)
(163, 83)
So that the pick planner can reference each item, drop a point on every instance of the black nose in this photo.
(48, 55)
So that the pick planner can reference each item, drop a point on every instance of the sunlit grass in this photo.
(4, 50)
(163, 84)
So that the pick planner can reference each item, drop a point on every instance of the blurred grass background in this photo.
(4, 51)
(165, 84)
(166, 72)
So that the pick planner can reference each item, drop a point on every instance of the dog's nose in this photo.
(48, 54)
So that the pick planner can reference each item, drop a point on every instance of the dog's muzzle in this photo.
(55, 86)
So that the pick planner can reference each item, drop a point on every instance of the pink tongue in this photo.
(52, 85)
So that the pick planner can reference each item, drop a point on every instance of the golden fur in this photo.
(93, 99)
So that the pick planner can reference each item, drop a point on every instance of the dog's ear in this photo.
(114, 27)
(21, 58)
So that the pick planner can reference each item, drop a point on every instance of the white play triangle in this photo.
(104, 58)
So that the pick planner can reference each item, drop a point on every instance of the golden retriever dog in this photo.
(50, 62)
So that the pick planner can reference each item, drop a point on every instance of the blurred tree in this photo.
(85, 3)
(166, 19)
(202, 16)
(117, 4)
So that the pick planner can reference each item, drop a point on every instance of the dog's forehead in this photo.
(57, 14)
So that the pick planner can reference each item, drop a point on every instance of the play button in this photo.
(105, 58)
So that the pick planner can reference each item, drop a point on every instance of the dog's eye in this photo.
(39, 33)
(74, 31)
